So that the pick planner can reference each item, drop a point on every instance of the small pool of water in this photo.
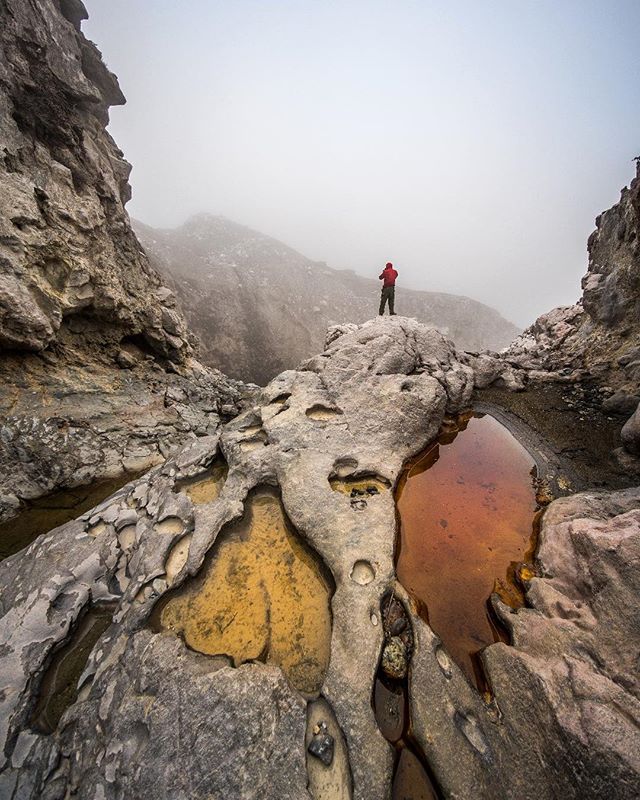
(46, 513)
(467, 510)
(261, 595)
(59, 687)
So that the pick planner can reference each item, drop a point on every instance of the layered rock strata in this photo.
(564, 714)
(90, 339)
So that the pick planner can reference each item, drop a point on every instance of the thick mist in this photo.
(471, 143)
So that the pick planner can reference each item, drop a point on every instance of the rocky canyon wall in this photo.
(598, 339)
(96, 369)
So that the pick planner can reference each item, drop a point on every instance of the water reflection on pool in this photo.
(467, 509)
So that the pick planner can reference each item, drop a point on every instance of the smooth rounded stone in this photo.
(621, 403)
(362, 573)
(394, 658)
(398, 626)
(630, 433)
(444, 661)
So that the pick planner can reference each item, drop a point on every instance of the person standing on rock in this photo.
(388, 277)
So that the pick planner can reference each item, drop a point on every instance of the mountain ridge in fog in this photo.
(258, 306)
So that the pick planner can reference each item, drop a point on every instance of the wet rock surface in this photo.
(152, 537)
(569, 672)
(261, 595)
(555, 694)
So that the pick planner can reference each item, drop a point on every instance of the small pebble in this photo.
(321, 746)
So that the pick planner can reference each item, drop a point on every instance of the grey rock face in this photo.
(259, 307)
(68, 256)
(598, 337)
(91, 341)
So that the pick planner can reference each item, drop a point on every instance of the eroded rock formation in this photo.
(90, 339)
(565, 694)
(97, 378)
(71, 264)
(593, 345)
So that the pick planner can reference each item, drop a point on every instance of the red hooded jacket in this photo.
(388, 275)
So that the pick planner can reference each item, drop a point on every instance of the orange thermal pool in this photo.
(467, 507)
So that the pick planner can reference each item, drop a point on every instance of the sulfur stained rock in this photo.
(262, 595)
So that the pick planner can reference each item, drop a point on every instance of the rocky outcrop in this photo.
(382, 389)
(595, 343)
(70, 260)
(564, 714)
(597, 339)
(259, 307)
(90, 340)
(72, 422)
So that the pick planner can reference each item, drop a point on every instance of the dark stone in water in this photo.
(390, 709)
(373, 490)
(397, 626)
(321, 746)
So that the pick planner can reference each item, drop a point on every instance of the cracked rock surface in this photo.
(154, 716)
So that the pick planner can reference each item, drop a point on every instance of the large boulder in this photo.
(630, 434)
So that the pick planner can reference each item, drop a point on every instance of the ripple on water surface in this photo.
(467, 510)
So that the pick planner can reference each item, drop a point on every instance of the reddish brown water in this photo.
(467, 509)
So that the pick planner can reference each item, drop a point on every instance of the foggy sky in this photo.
(472, 142)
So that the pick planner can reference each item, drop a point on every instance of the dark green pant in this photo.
(388, 295)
